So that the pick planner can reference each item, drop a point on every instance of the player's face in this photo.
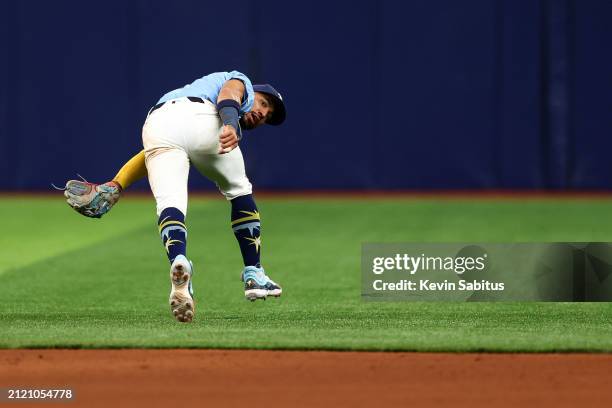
(261, 112)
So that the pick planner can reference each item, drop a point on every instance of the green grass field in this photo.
(68, 281)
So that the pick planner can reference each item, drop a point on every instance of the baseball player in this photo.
(198, 124)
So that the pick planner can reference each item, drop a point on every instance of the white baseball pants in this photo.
(181, 132)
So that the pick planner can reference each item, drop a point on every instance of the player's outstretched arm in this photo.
(94, 200)
(131, 171)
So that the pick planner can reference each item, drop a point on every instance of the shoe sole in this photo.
(275, 292)
(181, 302)
(254, 294)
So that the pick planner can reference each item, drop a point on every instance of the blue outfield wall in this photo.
(390, 94)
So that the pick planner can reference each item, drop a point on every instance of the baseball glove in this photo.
(92, 200)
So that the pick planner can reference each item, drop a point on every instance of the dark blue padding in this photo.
(388, 94)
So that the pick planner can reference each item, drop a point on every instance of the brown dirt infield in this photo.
(199, 378)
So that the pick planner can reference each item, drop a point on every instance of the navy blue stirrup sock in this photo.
(173, 232)
(247, 229)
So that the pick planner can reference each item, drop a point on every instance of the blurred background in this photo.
(381, 95)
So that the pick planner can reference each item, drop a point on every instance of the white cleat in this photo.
(257, 285)
(181, 295)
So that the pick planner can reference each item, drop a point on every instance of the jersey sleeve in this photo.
(249, 94)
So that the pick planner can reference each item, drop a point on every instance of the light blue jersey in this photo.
(209, 86)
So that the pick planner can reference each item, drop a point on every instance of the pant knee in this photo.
(168, 171)
(165, 202)
(237, 188)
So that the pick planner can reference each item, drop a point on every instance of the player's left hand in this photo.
(228, 139)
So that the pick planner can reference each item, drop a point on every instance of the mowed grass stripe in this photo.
(113, 293)
(38, 228)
